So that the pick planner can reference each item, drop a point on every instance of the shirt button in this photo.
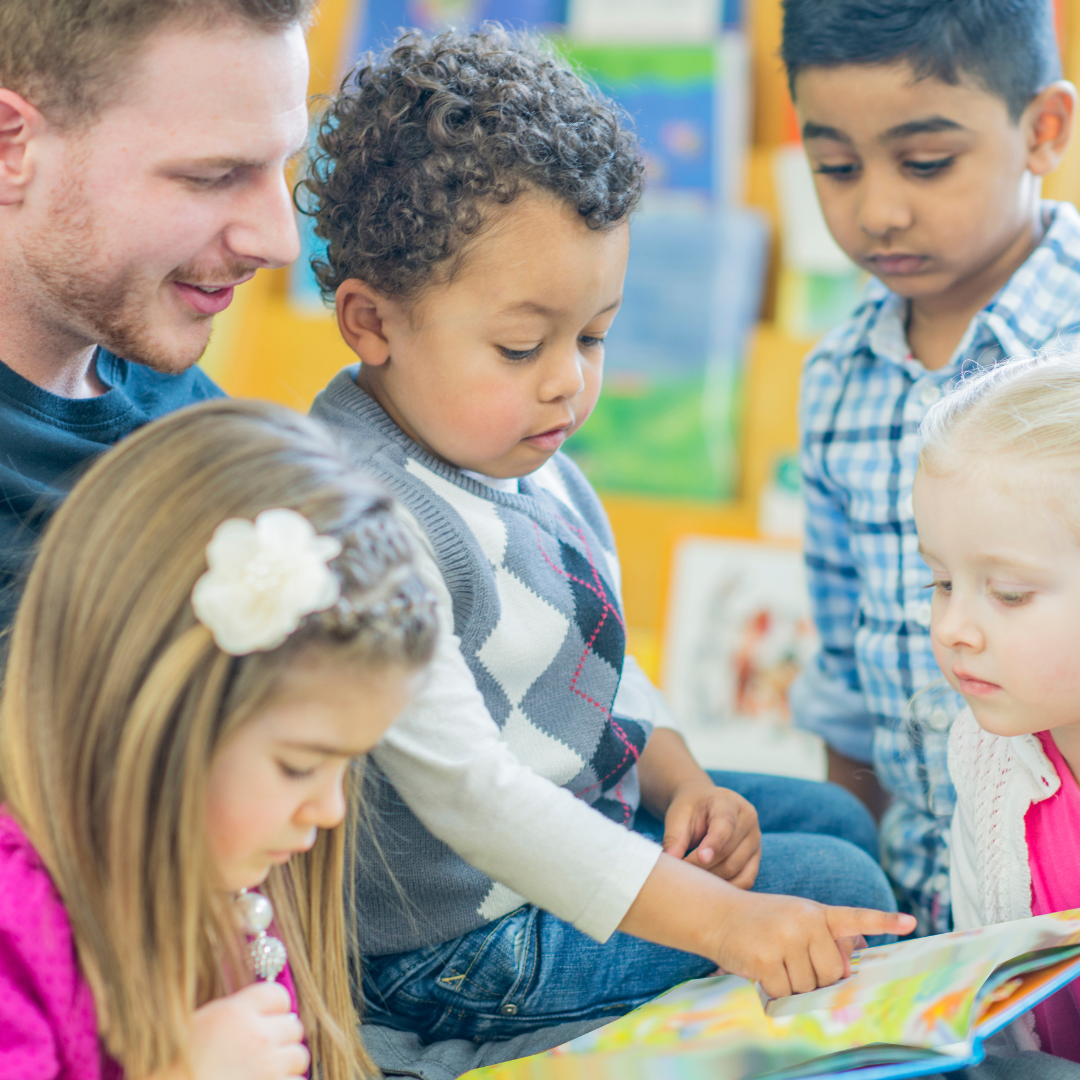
(922, 613)
(929, 393)
(509, 1009)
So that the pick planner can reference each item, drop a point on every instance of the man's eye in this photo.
(840, 172)
(519, 354)
(929, 168)
(211, 181)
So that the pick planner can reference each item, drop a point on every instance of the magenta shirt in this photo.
(1053, 839)
(48, 1024)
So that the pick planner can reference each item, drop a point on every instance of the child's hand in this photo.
(792, 946)
(249, 1035)
(721, 825)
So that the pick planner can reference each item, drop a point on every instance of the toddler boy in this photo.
(474, 196)
(928, 126)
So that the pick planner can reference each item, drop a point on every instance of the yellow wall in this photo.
(262, 348)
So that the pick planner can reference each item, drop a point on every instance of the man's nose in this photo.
(265, 230)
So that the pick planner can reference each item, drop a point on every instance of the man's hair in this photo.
(1007, 46)
(420, 141)
(68, 57)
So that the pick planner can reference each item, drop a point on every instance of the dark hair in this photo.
(1008, 46)
(420, 139)
(67, 57)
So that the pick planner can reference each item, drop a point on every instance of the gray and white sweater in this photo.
(512, 776)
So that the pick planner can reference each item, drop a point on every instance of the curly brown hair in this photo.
(420, 140)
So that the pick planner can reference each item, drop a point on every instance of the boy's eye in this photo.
(840, 172)
(929, 168)
(519, 354)
(590, 342)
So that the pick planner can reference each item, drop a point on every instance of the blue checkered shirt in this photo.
(862, 399)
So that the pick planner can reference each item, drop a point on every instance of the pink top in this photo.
(1053, 839)
(48, 1024)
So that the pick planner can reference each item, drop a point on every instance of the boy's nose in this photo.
(883, 210)
(564, 377)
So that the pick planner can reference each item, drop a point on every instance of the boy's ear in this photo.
(19, 123)
(1050, 118)
(360, 314)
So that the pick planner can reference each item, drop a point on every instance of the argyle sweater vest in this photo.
(532, 578)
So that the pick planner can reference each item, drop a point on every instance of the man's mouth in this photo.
(209, 299)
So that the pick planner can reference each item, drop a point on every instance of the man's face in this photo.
(923, 184)
(135, 230)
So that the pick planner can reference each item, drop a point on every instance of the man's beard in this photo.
(109, 306)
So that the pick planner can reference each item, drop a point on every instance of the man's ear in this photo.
(1050, 119)
(361, 312)
(19, 123)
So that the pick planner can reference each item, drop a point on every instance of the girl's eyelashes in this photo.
(1011, 599)
(294, 774)
(589, 341)
(943, 585)
(519, 354)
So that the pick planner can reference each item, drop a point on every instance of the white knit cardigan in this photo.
(997, 778)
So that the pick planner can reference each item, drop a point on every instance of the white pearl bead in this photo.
(254, 912)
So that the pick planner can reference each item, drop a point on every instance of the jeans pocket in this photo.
(489, 966)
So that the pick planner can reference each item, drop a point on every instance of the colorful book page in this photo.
(909, 1008)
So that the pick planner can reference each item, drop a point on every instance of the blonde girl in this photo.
(221, 619)
(997, 505)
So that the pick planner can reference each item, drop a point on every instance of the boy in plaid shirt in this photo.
(928, 125)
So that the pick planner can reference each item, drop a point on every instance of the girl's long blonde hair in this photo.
(116, 698)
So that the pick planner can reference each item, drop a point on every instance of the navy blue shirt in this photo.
(46, 442)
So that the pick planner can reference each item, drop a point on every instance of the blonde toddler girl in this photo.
(997, 504)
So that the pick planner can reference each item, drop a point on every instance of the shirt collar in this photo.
(1028, 313)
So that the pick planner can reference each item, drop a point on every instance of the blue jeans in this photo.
(530, 970)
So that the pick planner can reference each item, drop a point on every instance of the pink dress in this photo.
(1053, 839)
(48, 1024)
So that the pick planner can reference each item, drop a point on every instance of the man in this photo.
(143, 146)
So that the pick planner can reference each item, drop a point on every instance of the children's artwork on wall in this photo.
(670, 91)
(382, 19)
(643, 20)
(667, 420)
(738, 632)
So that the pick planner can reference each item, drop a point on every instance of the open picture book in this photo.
(909, 1009)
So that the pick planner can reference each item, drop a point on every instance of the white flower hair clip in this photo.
(264, 576)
